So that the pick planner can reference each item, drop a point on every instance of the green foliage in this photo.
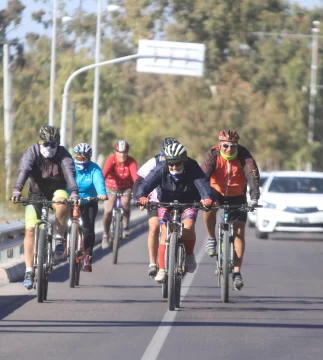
(253, 80)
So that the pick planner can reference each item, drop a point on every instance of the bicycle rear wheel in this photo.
(225, 268)
(73, 240)
(79, 260)
(41, 274)
(116, 236)
(173, 241)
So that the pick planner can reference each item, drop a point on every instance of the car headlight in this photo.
(268, 205)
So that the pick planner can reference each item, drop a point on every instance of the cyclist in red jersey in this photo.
(120, 173)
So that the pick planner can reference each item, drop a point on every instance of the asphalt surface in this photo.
(118, 311)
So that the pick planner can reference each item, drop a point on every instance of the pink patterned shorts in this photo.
(164, 215)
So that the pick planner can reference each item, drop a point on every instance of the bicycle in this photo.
(75, 242)
(116, 228)
(175, 255)
(225, 253)
(43, 249)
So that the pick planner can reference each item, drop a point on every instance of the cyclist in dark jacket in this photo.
(49, 169)
(178, 178)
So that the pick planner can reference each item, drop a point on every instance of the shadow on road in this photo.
(30, 326)
(10, 303)
(61, 274)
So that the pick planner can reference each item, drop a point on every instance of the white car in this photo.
(252, 215)
(292, 202)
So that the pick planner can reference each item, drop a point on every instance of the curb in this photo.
(14, 270)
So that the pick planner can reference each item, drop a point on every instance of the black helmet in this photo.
(175, 151)
(49, 133)
(168, 141)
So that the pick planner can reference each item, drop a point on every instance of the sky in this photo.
(27, 25)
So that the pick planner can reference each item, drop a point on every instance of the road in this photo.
(118, 312)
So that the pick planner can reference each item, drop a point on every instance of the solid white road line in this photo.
(160, 336)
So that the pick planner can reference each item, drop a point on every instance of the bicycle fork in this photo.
(220, 253)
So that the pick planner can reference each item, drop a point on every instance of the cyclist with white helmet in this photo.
(120, 173)
(49, 169)
(89, 178)
(178, 178)
(153, 220)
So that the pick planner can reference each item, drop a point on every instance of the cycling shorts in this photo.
(33, 211)
(164, 215)
(234, 200)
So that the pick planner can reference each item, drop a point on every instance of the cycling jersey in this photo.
(142, 174)
(190, 187)
(120, 175)
(230, 178)
(46, 175)
(90, 181)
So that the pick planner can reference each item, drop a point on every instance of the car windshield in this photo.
(296, 185)
(262, 180)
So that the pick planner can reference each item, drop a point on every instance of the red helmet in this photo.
(228, 135)
(121, 146)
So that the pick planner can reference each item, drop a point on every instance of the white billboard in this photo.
(170, 57)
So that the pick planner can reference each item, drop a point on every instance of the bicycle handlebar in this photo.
(197, 206)
(25, 201)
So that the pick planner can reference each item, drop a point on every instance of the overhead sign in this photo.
(170, 57)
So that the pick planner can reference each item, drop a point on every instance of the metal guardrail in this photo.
(12, 237)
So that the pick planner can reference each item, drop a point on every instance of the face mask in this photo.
(48, 152)
(81, 165)
(176, 172)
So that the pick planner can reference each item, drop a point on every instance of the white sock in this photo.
(152, 265)
(29, 269)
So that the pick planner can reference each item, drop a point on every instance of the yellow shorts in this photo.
(33, 211)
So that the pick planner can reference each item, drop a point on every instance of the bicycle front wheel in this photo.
(116, 236)
(73, 241)
(225, 268)
(41, 273)
(172, 283)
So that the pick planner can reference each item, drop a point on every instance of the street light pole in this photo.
(313, 90)
(53, 68)
(7, 115)
(95, 118)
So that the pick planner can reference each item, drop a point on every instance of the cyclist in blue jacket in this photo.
(90, 181)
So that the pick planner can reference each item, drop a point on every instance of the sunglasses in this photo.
(81, 158)
(231, 146)
(51, 144)
(177, 163)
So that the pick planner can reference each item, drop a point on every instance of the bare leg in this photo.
(29, 247)
(107, 217)
(209, 219)
(62, 213)
(239, 244)
(153, 239)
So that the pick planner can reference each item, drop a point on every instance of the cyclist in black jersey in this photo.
(49, 169)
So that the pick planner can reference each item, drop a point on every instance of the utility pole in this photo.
(95, 118)
(51, 112)
(7, 115)
(72, 133)
(313, 90)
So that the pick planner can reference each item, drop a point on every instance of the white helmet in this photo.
(175, 151)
